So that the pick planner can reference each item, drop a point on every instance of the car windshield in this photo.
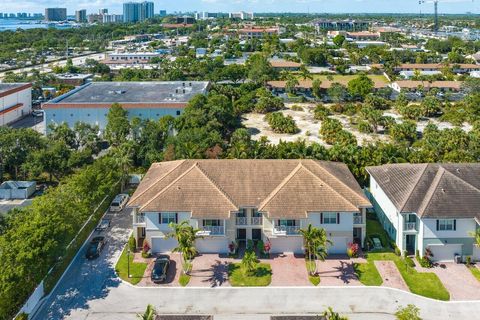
(115, 204)
(92, 248)
(158, 269)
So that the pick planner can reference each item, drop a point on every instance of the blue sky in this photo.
(334, 6)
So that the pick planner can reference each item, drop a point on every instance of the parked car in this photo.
(95, 247)
(160, 269)
(103, 225)
(37, 113)
(119, 202)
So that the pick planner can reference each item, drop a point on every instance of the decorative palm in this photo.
(185, 235)
(149, 313)
(249, 262)
(476, 234)
(329, 314)
(315, 242)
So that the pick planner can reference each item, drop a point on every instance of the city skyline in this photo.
(312, 6)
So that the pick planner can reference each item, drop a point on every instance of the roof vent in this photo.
(443, 190)
(458, 170)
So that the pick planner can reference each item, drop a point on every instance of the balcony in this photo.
(140, 219)
(357, 220)
(256, 221)
(212, 231)
(410, 226)
(286, 230)
(242, 221)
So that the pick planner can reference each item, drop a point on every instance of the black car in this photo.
(160, 269)
(95, 247)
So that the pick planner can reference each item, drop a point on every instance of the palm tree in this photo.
(124, 160)
(149, 313)
(185, 235)
(315, 242)
(476, 235)
(249, 262)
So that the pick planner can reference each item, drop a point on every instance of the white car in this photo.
(119, 202)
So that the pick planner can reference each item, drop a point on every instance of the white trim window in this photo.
(446, 224)
(329, 218)
(168, 217)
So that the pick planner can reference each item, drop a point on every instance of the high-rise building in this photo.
(103, 11)
(112, 18)
(81, 15)
(55, 14)
(163, 13)
(136, 11)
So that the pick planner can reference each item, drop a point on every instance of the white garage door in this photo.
(339, 245)
(445, 252)
(163, 245)
(287, 244)
(212, 245)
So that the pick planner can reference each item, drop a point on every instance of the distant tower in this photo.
(435, 26)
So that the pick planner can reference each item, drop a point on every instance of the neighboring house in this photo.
(415, 86)
(434, 206)
(17, 189)
(238, 200)
(281, 64)
(15, 101)
(152, 100)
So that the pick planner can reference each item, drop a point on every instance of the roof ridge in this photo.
(429, 194)
(341, 182)
(215, 184)
(280, 186)
(425, 166)
(158, 180)
(168, 186)
(458, 178)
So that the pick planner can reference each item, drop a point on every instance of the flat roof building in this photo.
(147, 100)
(15, 101)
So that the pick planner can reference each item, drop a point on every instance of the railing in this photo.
(256, 221)
(287, 230)
(357, 219)
(410, 226)
(139, 219)
(241, 221)
(212, 230)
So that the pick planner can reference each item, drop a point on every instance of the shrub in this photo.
(337, 108)
(260, 246)
(329, 129)
(132, 244)
(249, 262)
(409, 262)
(468, 260)
(249, 245)
(397, 251)
(410, 312)
(297, 108)
(232, 247)
(281, 124)
(267, 247)
(146, 250)
(22, 316)
(352, 250)
(320, 112)
(364, 127)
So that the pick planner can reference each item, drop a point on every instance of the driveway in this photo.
(89, 280)
(458, 280)
(391, 275)
(209, 270)
(337, 271)
(173, 273)
(288, 270)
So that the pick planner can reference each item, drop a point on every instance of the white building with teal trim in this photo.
(429, 206)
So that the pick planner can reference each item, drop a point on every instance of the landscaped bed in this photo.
(261, 277)
(475, 271)
(137, 269)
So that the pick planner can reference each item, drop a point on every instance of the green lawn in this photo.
(475, 271)
(260, 278)
(375, 229)
(368, 274)
(136, 269)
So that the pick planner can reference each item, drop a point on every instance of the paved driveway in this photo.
(458, 280)
(288, 270)
(391, 275)
(173, 273)
(337, 271)
(209, 270)
(87, 280)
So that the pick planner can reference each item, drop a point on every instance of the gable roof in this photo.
(282, 188)
(432, 190)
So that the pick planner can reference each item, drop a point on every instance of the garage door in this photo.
(445, 252)
(287, 244)
(212, 245)
(339, 245)
(163, 245)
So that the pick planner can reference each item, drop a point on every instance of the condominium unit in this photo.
(55, 14)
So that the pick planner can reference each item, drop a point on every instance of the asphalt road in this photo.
(91, 290)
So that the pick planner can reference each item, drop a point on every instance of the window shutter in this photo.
(176, 217)
(321, 217)
(454, 225)
(160, 218)
(338, 217)
(438, 225)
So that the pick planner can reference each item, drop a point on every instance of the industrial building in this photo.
(15, 101)
(146, 100)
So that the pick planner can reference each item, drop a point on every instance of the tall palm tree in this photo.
(149, 313)
(185, 235)
(476, 234)
(315, 242)
(124, 161)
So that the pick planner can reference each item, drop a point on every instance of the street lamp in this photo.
(128, 262)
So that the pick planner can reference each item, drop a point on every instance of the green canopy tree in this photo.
(118, 126)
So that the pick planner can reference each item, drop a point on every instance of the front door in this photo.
(242, 234)
(357, 236)
(256, 234)
(410, 243)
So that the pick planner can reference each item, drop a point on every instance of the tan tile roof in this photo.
(307, 84)
(276, 63)
(432, 190)
(412, 84)
(282, 188)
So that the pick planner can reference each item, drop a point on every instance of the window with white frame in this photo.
(330, 218)
(446, 224)
(168, 217)
(287, 223)
(212, 223)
